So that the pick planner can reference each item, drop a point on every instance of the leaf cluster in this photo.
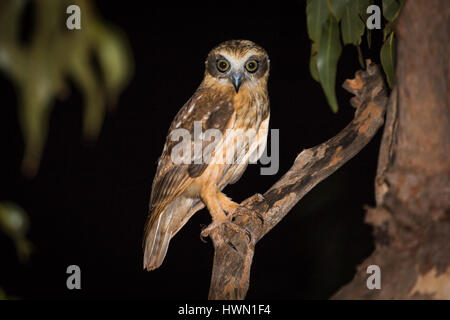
(334, 23)
(41, 67)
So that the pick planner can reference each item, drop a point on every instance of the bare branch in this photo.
(260, 213)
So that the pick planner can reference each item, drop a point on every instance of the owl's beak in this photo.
(237, 80)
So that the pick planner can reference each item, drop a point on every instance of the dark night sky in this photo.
(88, 203)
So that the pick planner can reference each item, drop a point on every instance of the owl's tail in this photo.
(157, 238)
(162, 225)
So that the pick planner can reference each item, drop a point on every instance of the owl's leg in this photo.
(209, 195)
(229, 205)
(217, 202)
(226, 203)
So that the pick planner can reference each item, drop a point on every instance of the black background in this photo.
(88, 203)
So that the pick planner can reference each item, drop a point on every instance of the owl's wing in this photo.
(168, 211)
(211, 110)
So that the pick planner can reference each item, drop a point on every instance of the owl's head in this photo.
(238, 63)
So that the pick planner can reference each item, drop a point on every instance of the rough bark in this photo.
(257, 215)
(412, 217)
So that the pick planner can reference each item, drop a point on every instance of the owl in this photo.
(231, 98)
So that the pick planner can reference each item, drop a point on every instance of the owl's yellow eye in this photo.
(251, 66)
(223, 65)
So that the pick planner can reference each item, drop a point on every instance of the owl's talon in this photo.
(240, 229)
(253, 214)
(230, 211)
(260, 217)
(231, 245)
(203, 238)
(249, 235)
(215, 224)
(207, 230)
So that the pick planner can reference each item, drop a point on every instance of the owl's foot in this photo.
(226, 203)
(207, 230)
(225, 223)
(220, 207)
(255, 215)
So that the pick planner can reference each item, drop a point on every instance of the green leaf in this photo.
(352, 26)
(329, 52)
(114, 58)
(362, 7)
(388, 28)
(387, 57)
(313, 62)
(316, 14)
(337, 8)
(391, 9)
(14, 222)
(42, 69)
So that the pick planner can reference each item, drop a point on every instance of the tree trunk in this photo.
(412, 218)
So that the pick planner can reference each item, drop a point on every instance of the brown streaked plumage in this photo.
(232, 95)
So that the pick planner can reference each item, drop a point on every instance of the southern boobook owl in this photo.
(232, 95)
